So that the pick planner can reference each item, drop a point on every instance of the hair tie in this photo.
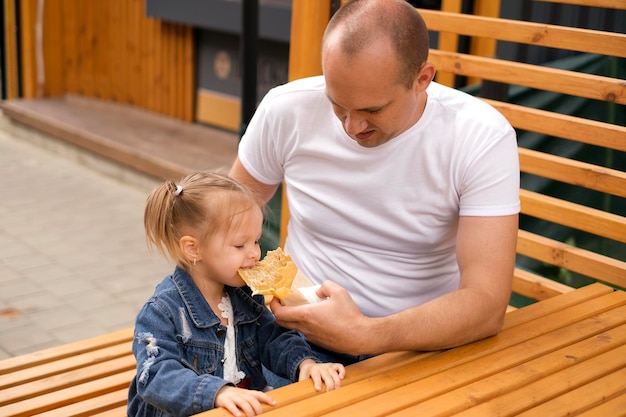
(179, 189)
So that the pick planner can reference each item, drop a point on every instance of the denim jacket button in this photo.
(220, 332)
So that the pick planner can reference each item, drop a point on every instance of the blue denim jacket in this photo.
(179, 347)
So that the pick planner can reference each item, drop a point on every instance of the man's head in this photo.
(374, 61)
(361, 23)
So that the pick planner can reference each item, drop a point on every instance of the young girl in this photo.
(202, 338)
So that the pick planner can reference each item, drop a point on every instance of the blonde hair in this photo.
(198, 205)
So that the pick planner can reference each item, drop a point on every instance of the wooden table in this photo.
(561, 356)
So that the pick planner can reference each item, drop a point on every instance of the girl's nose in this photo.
(255, 253)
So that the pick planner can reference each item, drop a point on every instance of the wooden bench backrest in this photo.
(610, 136)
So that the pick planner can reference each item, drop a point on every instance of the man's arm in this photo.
(486, 257)
(264, 191)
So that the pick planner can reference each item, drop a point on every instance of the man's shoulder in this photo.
(461, 102)
(302, 86)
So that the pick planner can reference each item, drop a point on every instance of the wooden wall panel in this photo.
(109, 49)
(11, 88)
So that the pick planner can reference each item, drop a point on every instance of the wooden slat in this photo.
(506, 377)
(58, 366)
(308, 21)
(537, 287)
(554, 304)
(590, 395)
(594, 294)
(578, 84)
(567, 170)
(448, 41)
(73, 378)
(64, 351)
(10, 51)
(483, 350)
(594, 265)
(70, 395)
(569, 214)
(609, 4)
(114, 412)
(28, 17)
(481, 46)
(110, 50)
(553, 36)
(484, 46)
(70, 43)
(612, 407)
(569, 127)
(552, 385)
(112, 403)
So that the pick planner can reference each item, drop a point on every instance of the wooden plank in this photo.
(61, 365)
(114, 412)
(594, 265)
(454, 390)
(569, 214)
(69, 379)
(294, 393)
(573, 172)
(537, 287)
(569, 127)
(28, 17)
(595, 305)
(573, 83)
(189, 82)
(540, 34)
(70, 395)
(609, 4)
(484, 46)
(448, 41)
(615, 407)
(388, 381)
(308, 22)
(112, 403)
(554, 304)
(69, 39)
(590, 395)
(513, 403)
(481, 46)
(11, 73)
(70, 349)
(218, 109)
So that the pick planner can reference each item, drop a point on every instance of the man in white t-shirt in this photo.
(403, 194)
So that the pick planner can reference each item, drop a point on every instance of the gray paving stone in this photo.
(73, 257)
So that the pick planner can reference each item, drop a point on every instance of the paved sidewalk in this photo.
(73, 257)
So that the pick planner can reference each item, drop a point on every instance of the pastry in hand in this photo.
(278, 276)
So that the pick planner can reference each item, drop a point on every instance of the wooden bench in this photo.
(91, 377)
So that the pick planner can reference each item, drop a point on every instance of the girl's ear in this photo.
(189, 246)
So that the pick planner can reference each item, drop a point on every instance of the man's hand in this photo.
(334, 323)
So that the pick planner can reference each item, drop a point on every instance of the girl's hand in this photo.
(237, 400)
(330, 374)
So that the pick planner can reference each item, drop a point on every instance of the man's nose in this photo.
(354, 124)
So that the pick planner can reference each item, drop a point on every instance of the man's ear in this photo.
(190, 248)
(424, 77)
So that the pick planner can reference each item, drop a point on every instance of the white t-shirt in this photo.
(382, 221)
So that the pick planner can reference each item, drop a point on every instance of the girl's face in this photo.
(232, 248)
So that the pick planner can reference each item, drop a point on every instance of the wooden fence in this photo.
(104, 49)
